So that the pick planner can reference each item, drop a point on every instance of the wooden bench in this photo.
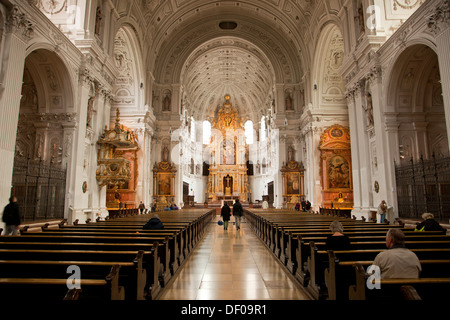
(426, 288)
(318, 260)
(138, 269)
(295, 252)
(340, 273)
(34, 288)
(176, 243)
(163, 253)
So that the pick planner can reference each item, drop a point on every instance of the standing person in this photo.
(397, 261)
(429, 224)
(238, 213)
(11, 217)
(382, 209)
(141, 207)
(307, 205)
(225, 213)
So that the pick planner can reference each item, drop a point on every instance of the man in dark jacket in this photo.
(225, 213)
(238, 213)
(429, 224)
(154, 223)
(11, 217)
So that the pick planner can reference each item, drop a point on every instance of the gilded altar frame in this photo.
(163, 184)
(336, 167)
(293, 183)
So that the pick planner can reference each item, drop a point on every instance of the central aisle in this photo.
(232, 265)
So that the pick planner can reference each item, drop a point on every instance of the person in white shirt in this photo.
(397, 261)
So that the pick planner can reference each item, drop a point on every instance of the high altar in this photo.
(228, 170)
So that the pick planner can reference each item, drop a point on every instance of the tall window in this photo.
(249, 132)
(206, 132)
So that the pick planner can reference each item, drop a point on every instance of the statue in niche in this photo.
(165, 154)
(90, 111)
(289, 102)
(98, 19)
(361, 19)
(166, 103)
(291, 154)
(369, 109)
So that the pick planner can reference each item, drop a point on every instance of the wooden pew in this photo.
(163, 255)
(297, 249)
(319, 259)
(137, 268)
(34, 288)
(339, 276)
(427, 288)
(175, 242)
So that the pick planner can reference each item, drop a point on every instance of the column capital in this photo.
(438, 21)
(18, 24)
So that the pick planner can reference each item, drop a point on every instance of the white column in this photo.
(439, 25)
(79, 200)
(18, 32)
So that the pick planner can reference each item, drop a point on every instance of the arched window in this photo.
(249, 132)
(206, 132)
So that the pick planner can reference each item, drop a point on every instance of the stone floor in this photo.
(232, 265)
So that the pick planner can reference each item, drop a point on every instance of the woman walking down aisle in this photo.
(232, 265)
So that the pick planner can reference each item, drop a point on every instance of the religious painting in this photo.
(338, 172)
(292, 183)
(164, 185)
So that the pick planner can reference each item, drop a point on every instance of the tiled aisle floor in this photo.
(232, 265)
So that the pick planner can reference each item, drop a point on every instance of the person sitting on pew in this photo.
(173, 206)
(154, 223)
(337, 240)
(397, 261)
(429, 224)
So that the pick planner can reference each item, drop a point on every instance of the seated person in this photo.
(429, 224)
(297, 206)
(173, 206)
(154, 223)
(337, 240)
(397, 261)
(167, 209)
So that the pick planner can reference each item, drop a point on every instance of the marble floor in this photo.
(232, 265)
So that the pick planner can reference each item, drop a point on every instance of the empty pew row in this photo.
(33, 288)
(160, 253)
(298, 241)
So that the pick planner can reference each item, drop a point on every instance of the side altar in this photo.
(228, 177)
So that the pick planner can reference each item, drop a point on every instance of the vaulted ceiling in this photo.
(245, 48)
(240, 48)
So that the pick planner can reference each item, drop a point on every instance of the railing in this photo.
(40, 189)
(424, 186)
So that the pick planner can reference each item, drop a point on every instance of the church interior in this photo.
(299, 110)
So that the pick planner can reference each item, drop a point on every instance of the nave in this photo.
(232, 265)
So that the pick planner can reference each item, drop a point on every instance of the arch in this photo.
(52, 79)
(414, 93)
(328, 85)
(127, 58)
